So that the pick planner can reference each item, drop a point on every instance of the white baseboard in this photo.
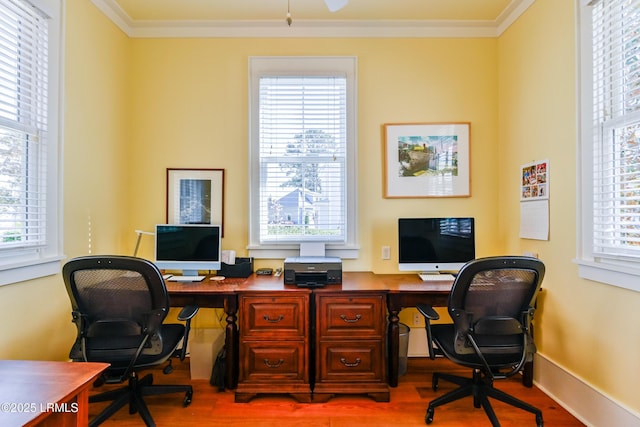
(589, 405)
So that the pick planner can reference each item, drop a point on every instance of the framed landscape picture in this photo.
(426, 160)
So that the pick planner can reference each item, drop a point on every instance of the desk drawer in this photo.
(273, 362)
(354, 317)
(351, 361)
(274, 316)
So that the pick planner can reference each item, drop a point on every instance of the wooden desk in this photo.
(37, 393)
(407, 290)
(402, 290)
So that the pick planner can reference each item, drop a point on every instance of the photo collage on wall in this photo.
(534, 181)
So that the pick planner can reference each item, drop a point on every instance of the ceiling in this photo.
(148, 18)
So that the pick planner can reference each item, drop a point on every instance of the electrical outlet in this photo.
(416, 319)
(386, 252)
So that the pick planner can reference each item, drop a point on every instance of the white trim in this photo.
(33, 270)
(278, 252)
(621, 276)
(511, 14)
(581, 399)
(117, 15)
(301, 28)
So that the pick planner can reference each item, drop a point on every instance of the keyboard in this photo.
(186, 278)
(425, 277)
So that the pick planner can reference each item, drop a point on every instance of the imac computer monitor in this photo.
(434, 245)
(188, 247)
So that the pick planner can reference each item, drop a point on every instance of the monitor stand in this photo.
(190, 272)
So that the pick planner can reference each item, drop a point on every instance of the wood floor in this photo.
(407, 406)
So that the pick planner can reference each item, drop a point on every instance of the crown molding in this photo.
(511, 13)
(312, 29)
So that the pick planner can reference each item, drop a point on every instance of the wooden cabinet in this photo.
(350, 345)
(312, 345)
(274, 345)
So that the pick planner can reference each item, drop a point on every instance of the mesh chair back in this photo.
(113, 299)
(486, 298)
(112, 294)
(503, 292)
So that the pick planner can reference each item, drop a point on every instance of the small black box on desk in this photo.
(242, 268)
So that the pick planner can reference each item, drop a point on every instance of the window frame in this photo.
(300, 66)
(17, 265)
(622, 273)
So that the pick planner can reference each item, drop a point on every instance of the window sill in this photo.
(281, 252)
(30, 271)
(615, 275)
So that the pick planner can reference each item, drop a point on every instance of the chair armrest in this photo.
(185, 315)
(188, 312)
(429, 314)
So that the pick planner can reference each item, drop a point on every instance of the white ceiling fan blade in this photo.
(335, 5)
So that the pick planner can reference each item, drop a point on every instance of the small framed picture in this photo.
(195, 196)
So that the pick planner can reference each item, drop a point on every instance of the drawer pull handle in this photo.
(268, 319)
(350, 365)
(344, 317)
(268, 363)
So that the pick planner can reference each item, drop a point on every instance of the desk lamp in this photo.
(140, 233)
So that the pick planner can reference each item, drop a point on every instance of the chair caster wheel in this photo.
(187, 399)
(429, 417)
(167, 369)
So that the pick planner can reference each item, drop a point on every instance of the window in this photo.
(610, 141)
(302, 155)
(29, 50)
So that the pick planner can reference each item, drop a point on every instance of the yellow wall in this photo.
(190, 107)
(583, 326)
(135, 107)
(97, 165)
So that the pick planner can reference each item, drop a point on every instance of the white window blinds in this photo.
(23, 125)
(616, 129)
(302, 158)
(302, 155)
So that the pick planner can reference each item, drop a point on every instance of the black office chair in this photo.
(119, 304)
(492, 303)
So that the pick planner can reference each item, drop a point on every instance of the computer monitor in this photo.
(188, 247)
(433, 245)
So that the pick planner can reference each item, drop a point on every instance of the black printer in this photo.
(311, 271)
